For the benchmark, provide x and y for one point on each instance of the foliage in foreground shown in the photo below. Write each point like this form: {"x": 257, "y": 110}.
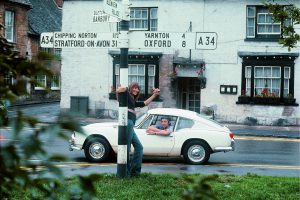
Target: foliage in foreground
{"x": 188, "y": 187}
{"x": 17, "y": 170}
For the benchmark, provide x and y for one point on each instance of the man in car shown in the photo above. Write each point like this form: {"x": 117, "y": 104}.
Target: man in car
{"x": 164, "y": 128}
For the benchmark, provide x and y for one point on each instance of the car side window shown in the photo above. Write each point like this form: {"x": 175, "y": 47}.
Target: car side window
{"x": 157, "y": 118}
{"x": 146, "y": 123}
{"x": 184, "y": 123}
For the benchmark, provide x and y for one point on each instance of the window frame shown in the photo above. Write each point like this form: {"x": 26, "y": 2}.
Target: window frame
{"x": 147, "y": 60}
{"x": 53, "y": 83}
{"x": 265, "y": 61}
{"x": 13, "y": 39}
{"x": 270, "y": 37}
{"x": 149, "y": 20}
{"x": 271, "y": 78}
{"x": 44, "y": 80}
{"x": 183, "y": 118}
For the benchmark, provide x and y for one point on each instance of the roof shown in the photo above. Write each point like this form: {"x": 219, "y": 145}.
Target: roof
{"x": 173, "y": 112}
{"x": 45, "y": 16}
{"x": 23, "y": 2}
{"x": 245, "y": 53}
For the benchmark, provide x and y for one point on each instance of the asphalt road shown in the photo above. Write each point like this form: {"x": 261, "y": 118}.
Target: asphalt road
{"x": 259, "y": 155}
{"x": 263, "y": 156}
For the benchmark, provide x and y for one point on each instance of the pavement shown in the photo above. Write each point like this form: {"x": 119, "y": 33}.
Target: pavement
{"x": 47, "y": 113}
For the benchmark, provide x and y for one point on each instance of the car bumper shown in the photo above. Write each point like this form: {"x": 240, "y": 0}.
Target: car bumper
{"x": 225, "y": 149}
{"x": 72, "y": 145}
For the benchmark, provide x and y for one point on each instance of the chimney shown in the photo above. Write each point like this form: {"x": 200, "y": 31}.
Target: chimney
{"x": 59, "y": 3}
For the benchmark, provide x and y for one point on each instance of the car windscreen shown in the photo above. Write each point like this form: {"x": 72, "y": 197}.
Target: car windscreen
{"x": 140, "y": 119}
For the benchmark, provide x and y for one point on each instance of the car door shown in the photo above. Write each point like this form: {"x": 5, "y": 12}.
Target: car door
{"x": 154, "y": 144}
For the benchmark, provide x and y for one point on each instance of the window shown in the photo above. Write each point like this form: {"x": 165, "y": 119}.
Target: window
{"x": 9, "y": 25}
{"x": 41, "y": 79}
{"x": 142, "y": 69}
{"x": 153, "y": 19}
{"x": 140, "y": 119}
{"x": 184, "y": 123}
{"x": 248, "y": 80}
{"x": 151, "y": 78}
{"x": 287, "y": 75}
{"x": 55, "y": 82}
{"x": 146, "y": 123}
{"x": 143, "y": 19}
{"x": 57, "y": 53}
{"x": 9, "y": 79}
{"x": 137, "y": 73}
{"x": 260, "y": 24}
{"x": 267, "y": 80}
{"x": 157, "y": 118}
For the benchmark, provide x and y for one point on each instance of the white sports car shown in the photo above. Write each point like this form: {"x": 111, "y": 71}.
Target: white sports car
{"x": 194, "y": 137}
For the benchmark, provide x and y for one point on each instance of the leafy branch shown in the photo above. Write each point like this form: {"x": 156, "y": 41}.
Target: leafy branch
{"x": 18, "y": 173}
{"x": 282, "y": 14}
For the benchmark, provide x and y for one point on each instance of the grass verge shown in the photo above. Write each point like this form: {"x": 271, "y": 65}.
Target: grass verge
{"x": 169, "y": 186}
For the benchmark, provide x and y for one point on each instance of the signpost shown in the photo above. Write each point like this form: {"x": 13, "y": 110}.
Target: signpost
{"x": 125, "y": 40}
{"x": 79, "y": 40}
{"x": 99, "y": 16}
{"x": 137, "y": 40}
{"x": 171, "y": 40}
{"x": 113, "y": 8}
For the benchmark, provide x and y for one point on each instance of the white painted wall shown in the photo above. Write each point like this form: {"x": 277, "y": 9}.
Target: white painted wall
{"x": 88, "y": 72}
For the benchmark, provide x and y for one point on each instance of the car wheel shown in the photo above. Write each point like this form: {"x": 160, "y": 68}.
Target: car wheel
{"x": 96, "y": 150}
{"x": 196, "y": 152}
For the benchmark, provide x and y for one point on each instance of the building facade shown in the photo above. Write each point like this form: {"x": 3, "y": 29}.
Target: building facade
{"x": 24, "y": 21}
{"x": 248, "y": 78}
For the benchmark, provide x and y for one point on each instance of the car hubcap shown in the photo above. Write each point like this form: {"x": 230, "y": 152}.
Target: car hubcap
{"x": 97, "y": 150}
{"x": 196, "y": 153}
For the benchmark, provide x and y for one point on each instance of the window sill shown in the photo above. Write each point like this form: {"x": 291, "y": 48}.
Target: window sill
{"x": 39, "y": 88}
{"x": 113, "y": 96}
{"x": 267, "y": 101}
{"x": 261, "y": 39}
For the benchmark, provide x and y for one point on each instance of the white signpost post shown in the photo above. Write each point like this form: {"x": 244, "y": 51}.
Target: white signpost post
{"x": 125, "y": 40}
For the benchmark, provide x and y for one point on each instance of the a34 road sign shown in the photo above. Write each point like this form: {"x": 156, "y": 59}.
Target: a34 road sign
{"x": 137, "y": 40}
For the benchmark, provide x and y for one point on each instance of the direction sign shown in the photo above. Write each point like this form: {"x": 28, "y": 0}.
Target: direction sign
{"x": 206, "y": 40}
{"x": 114, "y": 8}
{"x": 171, "y": 40}
{"x": 137, "y": 40}
{"x": 101, "y": 17}
{"x": 79, "y": 40}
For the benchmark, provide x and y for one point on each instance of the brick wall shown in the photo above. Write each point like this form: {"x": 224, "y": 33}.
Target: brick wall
{"x": 21, "y": 24}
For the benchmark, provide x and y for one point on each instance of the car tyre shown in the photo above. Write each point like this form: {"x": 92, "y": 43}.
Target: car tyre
{"x": 97, "y": 150}
{"x": 196, "y": 152}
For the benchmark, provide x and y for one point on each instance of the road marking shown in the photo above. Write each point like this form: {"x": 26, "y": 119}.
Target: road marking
{"x": 259, "y": 166}
{"x": 156, "y": 164}
{"x": 266, "y": 138}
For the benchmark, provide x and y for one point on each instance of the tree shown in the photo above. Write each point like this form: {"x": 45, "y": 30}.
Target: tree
{"x": 283, "y": 15}
{"x": 17, "y": 172}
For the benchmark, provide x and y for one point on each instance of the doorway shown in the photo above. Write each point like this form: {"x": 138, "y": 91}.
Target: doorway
{"x": 189, "y": 94}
